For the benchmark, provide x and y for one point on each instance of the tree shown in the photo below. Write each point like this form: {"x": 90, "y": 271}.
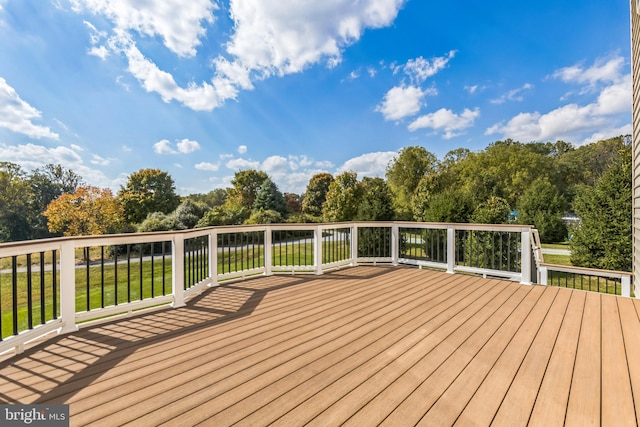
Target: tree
{"x": 213, "y": 198}
{"x": 245, "y": 187}
{"x": 188, "y": 214}
{"x": 494, "y": 210}
{"x": 148, "y": 191}
{"x": 157, "y": 221}
{"x": 543, "y": 206}
{"x": 375, "y": 201}
{"x": 47, "y": 184}
{"x": 604, "y": 237}
{"x": 269, "y": 198}
{"x": 228, "y": 214}
{"x": 316, "y": 194}
{"x": 15, "y": 203}
{"x": 88, "y": 211}
{"x": 293, "y": 204}
{"x": 265, "y": 216}
{"x": 404, "y": 173}
{"x": 343, "y": 198}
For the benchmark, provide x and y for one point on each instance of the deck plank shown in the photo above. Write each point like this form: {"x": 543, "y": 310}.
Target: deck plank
{"x": 360, "y": 346}
{"x": 617, "y": 399}
{"x": 551, "y": 404}
{"x": 494, "y": 360}
{"x": 584, "y": 407}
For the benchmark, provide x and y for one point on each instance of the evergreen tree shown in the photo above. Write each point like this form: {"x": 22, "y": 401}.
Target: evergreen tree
{"x": 604, "y": 237}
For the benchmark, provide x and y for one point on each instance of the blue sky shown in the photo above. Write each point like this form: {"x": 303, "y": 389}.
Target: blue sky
{"x": 204, "y": 88}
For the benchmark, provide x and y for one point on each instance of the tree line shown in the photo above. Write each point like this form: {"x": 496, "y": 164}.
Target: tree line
{"x": 507, "y": 182}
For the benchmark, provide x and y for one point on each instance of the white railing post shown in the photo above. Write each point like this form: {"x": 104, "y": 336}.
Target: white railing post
{"x": 626, "y": 286}
{"x": 354, "y": 244}
{"x": 268, "y": 252}
{"x": 544, "y": 275}
{"x": 395, "y": 244}
{"x": 451, "y": 249}
{"x": 177, "y": 262}
{"x": 317, "y": 249}
{"x": 213, "y": 258}
{"x": 68, "y": 287}
{"x": 525, "y": 259}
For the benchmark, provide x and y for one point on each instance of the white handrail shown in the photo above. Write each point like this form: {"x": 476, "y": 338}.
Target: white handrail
{"x": 66, "y": 247}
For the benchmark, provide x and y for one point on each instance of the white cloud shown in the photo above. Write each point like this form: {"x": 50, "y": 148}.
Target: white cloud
{"x": 206, "y": 166}
{"x": 184, "y": 146}
{"x": 163, "y": 147}
{"x": 187, "y": 146}
{"x": 286, "y": 36}
{"x": 275, "y": 165}
{"x": 570, "y": 121}
{"x": 17, "y": 115}
{"x": 179, "y": 23}
{"x": 32, "y": 156}
{"x": 126, "y": 149}
{"x": 242, "y": 149}
{"x": 512, "y": 95}
{"x": 369, "y": 164}
{"x": 602, "y": 71}
{"x": 420, "y": 69}
{"x": 270, "y": 37}
{"x": 400, "y": 102}
{"x": 242, "y": 164}
{"x": 203, "y": 97}
{"x": 99, "y": 161}
{"x": 607, "y": 133}
{"x": 446, "y": 120}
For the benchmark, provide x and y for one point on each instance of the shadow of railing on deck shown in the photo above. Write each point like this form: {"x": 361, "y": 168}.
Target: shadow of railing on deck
{"x": 103, "y": 346}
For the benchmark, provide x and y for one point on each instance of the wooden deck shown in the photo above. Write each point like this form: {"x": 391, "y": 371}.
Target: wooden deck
{"x": 361, "y": 346}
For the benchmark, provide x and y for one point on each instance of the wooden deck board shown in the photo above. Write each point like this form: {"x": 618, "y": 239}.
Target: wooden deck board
{"x": 360, "y": 346}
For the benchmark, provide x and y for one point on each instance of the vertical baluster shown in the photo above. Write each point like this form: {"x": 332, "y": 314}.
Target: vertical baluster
{"x": 29, "y": 293}
{"x": 115, "y": 275}
{"x": 14, "y": 293}
{"x": 102, "y": 276}
{"x": 54, "y": 275}
{"x": 85, "y": 251}
{"x": 42, "y": 298}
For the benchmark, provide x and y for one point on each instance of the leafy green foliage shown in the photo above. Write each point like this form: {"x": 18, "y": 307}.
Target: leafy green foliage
{"x": 229, "y": 214}
{"x": 148, "y": 191}
{"x": 376, "y": 201}
{"x": 316, "y": 194}
{"x": 543, "y": 206}
{"x": 157, "y": 221}
{"x": 188, "y": 214}
{"x": 245, "y": 187}
{"x": 343, "y": 198}
{"x": 494, "y": 210}
{"x": 269, "y": 198}
{"x": 15, "y": 203}
{"x": 604, "y": 237}
{"x": 262, "y": 216}
{"x": 404, "y": 174}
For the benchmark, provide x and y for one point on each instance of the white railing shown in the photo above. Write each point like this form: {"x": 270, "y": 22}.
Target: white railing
{"x": 54, "y": 284}
{"x": 588, "y": 279}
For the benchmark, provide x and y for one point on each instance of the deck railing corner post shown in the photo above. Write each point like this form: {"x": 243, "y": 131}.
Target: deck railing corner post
{"x": 317, "y": 249}
{"x": 354, "y": 244}
{"x": 525, "y": 258}
{"x": 67, "y": 287}
{"x": 451, "y": 249}
{"x": 395, "y": 244}
{"x": 626, "y": 286}
{"x": 268, "y": 251}
{"x": 213, "y": 258}
{"x": 177, "y": 270}
{"x": 544, "y": 275}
